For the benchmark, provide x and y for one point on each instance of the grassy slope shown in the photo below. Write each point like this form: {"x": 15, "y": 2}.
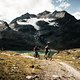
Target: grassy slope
{"x": 15, "y": 67}
{"x": 70, "y": 56}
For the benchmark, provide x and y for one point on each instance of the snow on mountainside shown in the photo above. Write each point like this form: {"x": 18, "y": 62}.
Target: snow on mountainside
{"x": 33, "y": 21}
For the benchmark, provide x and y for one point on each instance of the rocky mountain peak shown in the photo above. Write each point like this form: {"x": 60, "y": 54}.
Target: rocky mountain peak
{"x": 60, "y": 14}
{"x": 43, "y": 14}
{"x": 23, "y": 17}
{"x": 27, "y": 16}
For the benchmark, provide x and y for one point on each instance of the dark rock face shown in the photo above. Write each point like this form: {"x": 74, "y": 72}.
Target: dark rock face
{"x": 15, "y": 40}
{"x": 58, "y": 29}
{"x": 4, "y": 26}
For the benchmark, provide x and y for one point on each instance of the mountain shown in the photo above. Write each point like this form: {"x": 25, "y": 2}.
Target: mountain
{"x": 15, "y": 40}
{"x": 59, "y": 29}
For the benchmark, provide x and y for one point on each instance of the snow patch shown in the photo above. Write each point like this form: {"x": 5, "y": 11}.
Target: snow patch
{"x": 33, "y": 21}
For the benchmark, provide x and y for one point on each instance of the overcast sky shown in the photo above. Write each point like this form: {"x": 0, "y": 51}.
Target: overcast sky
{"x": 10, "y": 9}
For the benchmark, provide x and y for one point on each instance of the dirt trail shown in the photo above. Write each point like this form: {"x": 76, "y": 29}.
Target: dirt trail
{"x": 74, "y": 72}
{"x": 56, "y": 71}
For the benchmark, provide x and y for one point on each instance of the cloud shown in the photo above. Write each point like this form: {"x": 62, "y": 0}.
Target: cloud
{"x": 10, "y": 9}
{"x": 76, "y": 15}
{"x": 62, "y": 4}
{"x": 59, "y": 1}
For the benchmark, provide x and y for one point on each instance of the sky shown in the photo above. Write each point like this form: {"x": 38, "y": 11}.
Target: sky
{"x": 10, "y": 9}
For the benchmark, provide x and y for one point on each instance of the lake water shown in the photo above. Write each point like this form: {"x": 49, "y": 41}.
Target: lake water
{"x": 32, "y": 52}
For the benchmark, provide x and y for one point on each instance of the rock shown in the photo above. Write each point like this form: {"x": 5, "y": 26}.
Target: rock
{"x": 32, "y": 66}
{"x": 2, "y": 59}
{"x": 28, "y": 77}
{"x": 56, "y": 77}
{"x": 35, "y": 77}
{"x": 77, "y": 57}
